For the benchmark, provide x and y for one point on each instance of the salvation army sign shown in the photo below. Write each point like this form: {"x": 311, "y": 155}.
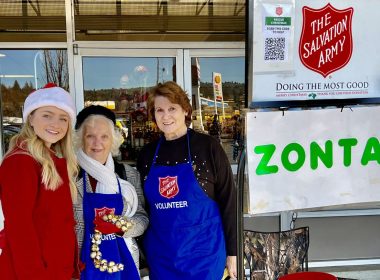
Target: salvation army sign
{"x": 314, "y": 50}
{"x": 168, "y": 186}
{"x": 326, "y": 39}
{"x": 314, "y": 158}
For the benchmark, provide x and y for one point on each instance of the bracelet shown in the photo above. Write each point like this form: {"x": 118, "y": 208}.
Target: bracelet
{"x": 119, "y": 221}
{"x": 102, "y": 264}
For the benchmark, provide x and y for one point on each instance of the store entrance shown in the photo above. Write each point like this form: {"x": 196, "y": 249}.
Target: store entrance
{"x": 121, "y": 80}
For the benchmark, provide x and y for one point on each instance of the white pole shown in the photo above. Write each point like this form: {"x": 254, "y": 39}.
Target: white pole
{"x": 1, "y": 134}
{"x": 35, "y": 69}
{"x": 224, "y": 117}
{"x": 200, "y": 108}
{"x": 213, "y": 88}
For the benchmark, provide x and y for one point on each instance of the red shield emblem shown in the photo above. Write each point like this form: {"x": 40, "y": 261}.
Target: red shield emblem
{"x": 168, "y": 186}
{"x": 100, "y": 212}
{"x": 326, "y": 39}
{"x": 279, "y": 11}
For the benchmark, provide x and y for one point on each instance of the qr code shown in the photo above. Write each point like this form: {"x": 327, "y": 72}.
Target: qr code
{"x": 274, "y": 48}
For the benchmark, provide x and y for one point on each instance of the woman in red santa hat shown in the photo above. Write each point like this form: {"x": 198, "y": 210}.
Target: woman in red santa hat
{"x": 37, "y": 186}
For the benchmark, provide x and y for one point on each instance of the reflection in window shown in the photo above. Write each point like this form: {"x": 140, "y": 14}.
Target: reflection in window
{"x": 218, "y": 95}
{"x": 21, "y": 72}
{"x": 122, "y": 84}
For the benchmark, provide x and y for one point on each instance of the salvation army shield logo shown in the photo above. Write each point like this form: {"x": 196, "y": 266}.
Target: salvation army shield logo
{"x": 168, "y": 186}
{"x": 326, "y": 39}
{"x": 279, "y": 11}
{"x": 100, "y": 212}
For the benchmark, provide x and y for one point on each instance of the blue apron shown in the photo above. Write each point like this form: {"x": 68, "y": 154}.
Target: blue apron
{"x": 185, "y": 238}
{"x": 113, "y": 247}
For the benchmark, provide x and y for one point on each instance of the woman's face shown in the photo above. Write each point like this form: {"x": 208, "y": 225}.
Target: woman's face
{"x": 170, "y": 118}
{"x": 50, "y": 124}
{"x": 97, "y": 140}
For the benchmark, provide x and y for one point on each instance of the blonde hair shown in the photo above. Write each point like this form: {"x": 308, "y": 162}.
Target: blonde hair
{"x": 28, "y": 141}
{"x": 117, "y": 138}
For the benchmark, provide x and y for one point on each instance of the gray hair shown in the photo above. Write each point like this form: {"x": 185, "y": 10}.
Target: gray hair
{"x": 117, "y": 138}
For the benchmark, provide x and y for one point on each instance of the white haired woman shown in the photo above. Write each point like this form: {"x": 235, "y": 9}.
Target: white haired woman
{"x": 109, "y": 210}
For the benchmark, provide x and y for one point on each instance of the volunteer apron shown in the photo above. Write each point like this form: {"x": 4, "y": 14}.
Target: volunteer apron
{"x": 113, "y": 247}
{"x": 185, "y": 238}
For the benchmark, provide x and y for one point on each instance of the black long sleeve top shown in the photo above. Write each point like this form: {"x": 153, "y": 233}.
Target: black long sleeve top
{"x": 211, "y": 168}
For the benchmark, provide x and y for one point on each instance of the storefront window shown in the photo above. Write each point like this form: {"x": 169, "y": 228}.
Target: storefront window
{"x": 218, "y": 95}
{"x": 122, "y": 85}
{"x": 21, "y": 72}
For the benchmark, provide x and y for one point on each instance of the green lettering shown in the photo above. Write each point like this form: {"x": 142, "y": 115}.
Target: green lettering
{"x": 285, "y": 157}
{"x": 263, "y": 168}
{"x": 372, "y": 145}
{"x": 325, "y": 156}
{"x": 347, "y": 145}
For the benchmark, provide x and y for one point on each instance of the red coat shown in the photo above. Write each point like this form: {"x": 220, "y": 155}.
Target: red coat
{"x": 40, "y": 241}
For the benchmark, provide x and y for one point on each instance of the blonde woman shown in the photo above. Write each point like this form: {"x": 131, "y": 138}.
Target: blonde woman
{"x": 37, "y": 186}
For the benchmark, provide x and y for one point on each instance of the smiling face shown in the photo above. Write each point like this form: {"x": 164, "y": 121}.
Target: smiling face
{"x": 97, "y": 139}
{"x": 170, "y": 118}
{"x": 50, "y": 124}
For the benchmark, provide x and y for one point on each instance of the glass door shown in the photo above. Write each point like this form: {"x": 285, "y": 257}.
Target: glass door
{"x": 215, "y": 80}
{"x": 21, "y": 72}
{"x": 120, "y": 80}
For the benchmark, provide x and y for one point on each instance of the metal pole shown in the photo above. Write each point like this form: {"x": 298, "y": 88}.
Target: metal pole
{"x": 240, "y": 217}
{"x": 1, "y": 119}
{"x": 1, "y": 113}
{"x": 35, "y": 69}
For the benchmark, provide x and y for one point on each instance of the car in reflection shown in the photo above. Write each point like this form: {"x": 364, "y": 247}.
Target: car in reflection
{"x": 8, "y": 132}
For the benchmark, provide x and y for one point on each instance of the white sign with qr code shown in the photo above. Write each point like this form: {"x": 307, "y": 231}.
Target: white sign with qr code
{"x": 276, "y": 21}
{"x": 274, "y": 35}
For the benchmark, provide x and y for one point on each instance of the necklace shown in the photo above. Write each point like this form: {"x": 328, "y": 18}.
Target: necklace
{"x": 102, "y": 264}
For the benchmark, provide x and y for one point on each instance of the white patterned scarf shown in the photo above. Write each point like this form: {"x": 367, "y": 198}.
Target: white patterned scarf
{"x": 107, "y": 181}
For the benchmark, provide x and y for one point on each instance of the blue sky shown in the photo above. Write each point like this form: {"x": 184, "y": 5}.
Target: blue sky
{"x": 118, "y": 72}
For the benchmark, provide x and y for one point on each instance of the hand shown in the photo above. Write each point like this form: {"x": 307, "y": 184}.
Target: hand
{"x": 106, "y": 227}
{"x": 232, "y": 267}
{"x": 81, "y": 265}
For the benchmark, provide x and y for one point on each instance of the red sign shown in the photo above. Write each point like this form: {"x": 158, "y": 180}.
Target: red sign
{"x": 279, "y": 11}
{"x": 100, "y": 212}
{"x": 168, "y": 186}
{"x": 326, "y": 39}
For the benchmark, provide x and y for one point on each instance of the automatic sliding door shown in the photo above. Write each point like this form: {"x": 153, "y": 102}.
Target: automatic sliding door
{"x": 122, "y": 83}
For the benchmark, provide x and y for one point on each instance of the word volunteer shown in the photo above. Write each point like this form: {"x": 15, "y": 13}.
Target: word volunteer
{"x": 171, "y": 205}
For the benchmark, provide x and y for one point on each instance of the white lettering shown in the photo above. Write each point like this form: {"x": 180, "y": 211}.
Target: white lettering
{"x": 170, "y": 205}
{"x": 110, "y": 236}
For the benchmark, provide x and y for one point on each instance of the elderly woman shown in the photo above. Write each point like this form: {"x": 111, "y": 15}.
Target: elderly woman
{"x": 109, "y": 209}
{"x": 191, "y": 195}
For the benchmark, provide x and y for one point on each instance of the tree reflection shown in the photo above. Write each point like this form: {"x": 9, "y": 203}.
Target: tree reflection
{"x": 52, "y": 68}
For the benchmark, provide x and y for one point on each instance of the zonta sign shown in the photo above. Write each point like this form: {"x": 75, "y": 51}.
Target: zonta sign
{"x": 371, "y": 152}
{"x": 326, "y": 39}
{"x": 312, "y": 158}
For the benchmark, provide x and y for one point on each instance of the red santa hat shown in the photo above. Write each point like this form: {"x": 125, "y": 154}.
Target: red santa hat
{"x": 49, "y": 95}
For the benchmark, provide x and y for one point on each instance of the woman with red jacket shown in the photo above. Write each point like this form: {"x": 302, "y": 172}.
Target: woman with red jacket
{"x": 37, "y": 186}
